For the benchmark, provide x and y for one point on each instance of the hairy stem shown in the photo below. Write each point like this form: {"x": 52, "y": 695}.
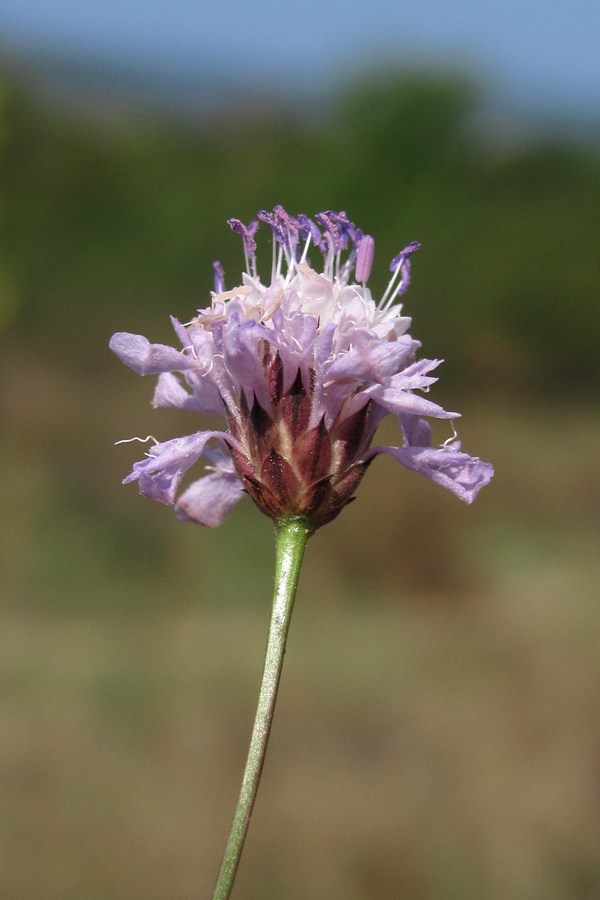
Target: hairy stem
{"x": 292, "y": 535}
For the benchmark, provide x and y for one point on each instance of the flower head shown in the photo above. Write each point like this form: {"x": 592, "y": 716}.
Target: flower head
{"x": 303, "y": 370}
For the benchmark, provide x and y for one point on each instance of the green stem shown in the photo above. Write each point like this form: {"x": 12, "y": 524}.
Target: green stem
{"x": 292, "y": 535}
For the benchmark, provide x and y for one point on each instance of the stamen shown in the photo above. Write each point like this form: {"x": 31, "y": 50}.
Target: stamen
{"x": 219, "y": 277}
{"x": 247, "y": 234}
{"x": 278, "y": 221}
{"x": 400, "y": 266}
{"x": 307, "y": 228}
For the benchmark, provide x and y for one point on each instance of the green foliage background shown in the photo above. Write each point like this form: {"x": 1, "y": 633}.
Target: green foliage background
{"x": 437, "y": 734}
{"x": 99, "y": 217}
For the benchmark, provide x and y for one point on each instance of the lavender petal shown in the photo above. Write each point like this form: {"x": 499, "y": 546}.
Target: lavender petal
{"x": 159, "y": 474}
{"x": 208, "y": 500}
{"x": 370, "y": 360}
{"x": 452, "y": 469}
{"x": 169, "y": 392}
{"x": 145, "y": 358}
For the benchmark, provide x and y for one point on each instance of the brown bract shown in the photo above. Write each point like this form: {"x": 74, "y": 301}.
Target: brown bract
{"x": 289, "y": 468}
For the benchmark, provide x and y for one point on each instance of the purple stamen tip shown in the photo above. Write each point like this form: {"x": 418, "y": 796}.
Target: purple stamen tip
{"x": 246, "y": 233}
{"x": 364, "y": 258}
{"x": 280, "y": 223}
{"x": 219, "y": 277}
{"x": 402, "y": 263}
{"x": 307, "y": 227}
{"x": 403, "y": 256}
{"x": 338, "y": 229}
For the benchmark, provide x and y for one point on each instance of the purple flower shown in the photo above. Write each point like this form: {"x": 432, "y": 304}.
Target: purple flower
{"x": 302, "y": 370}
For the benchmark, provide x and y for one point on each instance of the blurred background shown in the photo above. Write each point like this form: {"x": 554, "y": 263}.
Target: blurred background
{"x": 437, "y": 733}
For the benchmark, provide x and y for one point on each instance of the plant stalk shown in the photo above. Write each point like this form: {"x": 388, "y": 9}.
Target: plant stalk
{"x": 292, "y": 535}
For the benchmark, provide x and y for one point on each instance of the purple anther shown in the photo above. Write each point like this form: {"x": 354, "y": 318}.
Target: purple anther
{"x": 356, "y": 235}
{"x": 402, "y": 262}
{"x": 337, "y": 226}
{"x": 246, "y": 232}
{"x": 364, "y": 258}
{"x": 280, "y": 224}
{"x": 306, "y": 227}
{"x": 403, "y": 255}
{"x": 348, "y": 230}
{"x": 219, "y": 277}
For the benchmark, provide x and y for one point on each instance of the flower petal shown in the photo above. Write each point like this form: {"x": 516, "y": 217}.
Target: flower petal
{"x": 371, "y": 360}
{"x": 145, "y": 358}
{"x": 241, "y": 345}
{"x": 458, "y": 472}
{"x": 398, "y": 401}
{"x": 160, "y": 474}
{"x": 170, "y": 392}
{"x": 208, "y": 500}
{"x": 396, "y": 395}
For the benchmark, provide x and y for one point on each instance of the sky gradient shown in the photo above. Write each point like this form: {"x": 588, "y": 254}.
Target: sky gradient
{"x": 537, "y": 52}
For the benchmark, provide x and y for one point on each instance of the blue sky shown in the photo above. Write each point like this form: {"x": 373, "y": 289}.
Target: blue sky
{"x": 539, "y": 52}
